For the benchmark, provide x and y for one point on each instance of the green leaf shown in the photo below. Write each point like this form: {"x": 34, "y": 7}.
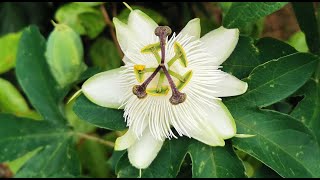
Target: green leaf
{"x": 19, "y": 136}
{"x": 88, "y": 73}
{"x": 11, "y": 101}
{"x": 104, "y": 54}
{"x": 250, "y": 53}
{"x": 242, "y": 13}
{"x": 223, "y": 162}
{"x": 84, "y": 19}
{"x": 8, "y": 46}
{"x": 124, "y": 169}
{"x": 93, "y": 158}
{"x": 276, "y": 79}
{"x": 77, "y": 124}
{"x": 281, "y": 142}
{"x": 306, "y": 17}
{"x": 207, "y": 25}
{"x": 218, "y": 162}
{"x": 34, "y": 76}
{"x": 265, "y": 172}
{"x": 225, "y": 6}
{"x": 307, "y": 111}
{"x": 16, "y": 164}
{"x": 298, "y": 41}
{"x": 114, "y": 159}
{"x": 157, "y": 17}
{"x": 253, "y": 29}
{"x": 55, "y": 159}
{"x": 100, "y": 116}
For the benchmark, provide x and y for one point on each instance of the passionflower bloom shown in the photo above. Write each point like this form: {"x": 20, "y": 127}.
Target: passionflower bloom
{"x": 168, "y": 87}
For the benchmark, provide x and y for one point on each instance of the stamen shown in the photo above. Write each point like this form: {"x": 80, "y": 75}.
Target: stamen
{"x": 177, "y": 97}
{"x": 140, "y": 90}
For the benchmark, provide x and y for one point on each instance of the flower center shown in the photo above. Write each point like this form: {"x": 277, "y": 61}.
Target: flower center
{"x": 141, "y": 91}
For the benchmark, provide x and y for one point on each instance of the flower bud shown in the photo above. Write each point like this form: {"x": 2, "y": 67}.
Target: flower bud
{"x": 64, "y": 55}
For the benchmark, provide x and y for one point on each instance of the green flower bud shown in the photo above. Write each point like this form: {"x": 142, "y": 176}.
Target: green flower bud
{"x": 64, "y": 55}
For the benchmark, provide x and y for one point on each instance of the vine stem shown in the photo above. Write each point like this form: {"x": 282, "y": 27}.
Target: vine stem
{"x": 110, "y": 25}
{"x": 93, "y": 138}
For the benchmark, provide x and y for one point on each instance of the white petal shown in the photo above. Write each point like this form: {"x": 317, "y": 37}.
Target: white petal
{"x": 209, "y": 122}
{"x": 142, "y": 26}
{"x": 125, "y": 141}
{"x": 195, "y": 119}
{"x": 124, "y": 35}
{"x": 221, "y": 121}
{"x": 208, "y": 137}
{"x": 229, "y": 85}
{"x": 220, "y": 43}
{"x": 104, "y": 89}
{"x": 126, "y": 60}
{"x": 193, "y": 28}
{"x": 144, "y": 151}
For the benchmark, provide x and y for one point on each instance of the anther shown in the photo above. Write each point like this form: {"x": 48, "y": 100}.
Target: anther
{"x": 139, "y": 91}
{"x": 177, "y": 98}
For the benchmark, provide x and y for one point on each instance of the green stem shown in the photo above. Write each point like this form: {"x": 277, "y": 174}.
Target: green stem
{"x": 96, "y": 139}
{"x": 111, "y": 28}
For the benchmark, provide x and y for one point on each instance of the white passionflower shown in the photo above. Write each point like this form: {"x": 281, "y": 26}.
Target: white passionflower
{"x": 168, "y": 83}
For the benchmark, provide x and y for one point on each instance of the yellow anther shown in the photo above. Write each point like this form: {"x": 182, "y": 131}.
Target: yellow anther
{"x": 139, "y": 67}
